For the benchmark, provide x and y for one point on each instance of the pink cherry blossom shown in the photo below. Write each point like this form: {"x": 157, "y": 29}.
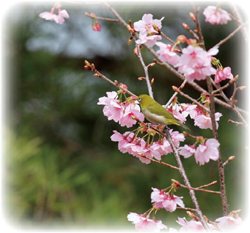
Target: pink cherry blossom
{"x": 58, "y": 18}
{"x": 146, "y": 24}
{"x": 176, "y": 137}
{"x": 112, "y": 109}
{"x": 130, "y": 110}
{"x": 192, "y": 225}
{"x": 223, "y": 74}
{"x": 144, "y": 223}
{"x": 148, "y": 40}
{"x": 96, "y": 26}
{"x": 186, "y": 151}
{"x": 190, "y": 109}
{"x": 147, "y": 33}
{"x": 227, "y": 223}
{"x": 204, "y": 121}
{"x": 216, "y": 15}
{"x": 195, "y": 62}
{"x": 207, "y": 151}
{"x": 162, "y": 199}
{"x": 166, "y": 54}
{"x": 163, "y": 147}
{"x": 118, "y": 111}
{"x": 128, "y": 143}
{"x": 178, "y": 112}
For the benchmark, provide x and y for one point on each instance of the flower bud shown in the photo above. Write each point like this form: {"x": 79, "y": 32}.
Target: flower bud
{"x": 130, "y": 40}
{"x": 87, "y": 67}
{"x": 185, "y": 26}
{"x": 151, "y": 64}
{"x": 190, "y": 214}
{"x": 136, "y": 52}
{"x": 87, "y": 63}
{"x": 129, "y": 28}
{"x": 192, "y": 16}
{"x": 152, "y": 81}
{"x": 175, "y": 88}
{"x": 156, "y": 28}
{"x": 92, "y": 66}
{"x": 96, "y": 75}
{"x": 192, "y": 42}
{"x": 92, "y": 15}
{"x": 181, "y": 39}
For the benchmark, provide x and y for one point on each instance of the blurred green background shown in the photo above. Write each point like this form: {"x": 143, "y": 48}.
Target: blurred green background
{"x": 61, "y": 168}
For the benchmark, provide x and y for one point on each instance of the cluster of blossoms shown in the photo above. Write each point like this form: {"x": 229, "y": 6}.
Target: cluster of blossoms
{"x": 118, "y": 111}
{"x": 126, "y": 113}
{"x": 144, "y": 223}
{"x": 129, "y": 143}
{"x": 203, "y": 153}
{"x": 194, "y": 61}
{"x": 58, "y": 18}
{"x": 216, "y": 15}
{"x": 223, "y": 74}
{"x": 148, "y": 30}
{"x": 164, "y": 200}
{"x": 201, "y": 118}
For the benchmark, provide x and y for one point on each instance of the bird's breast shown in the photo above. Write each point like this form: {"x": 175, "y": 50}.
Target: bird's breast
{"x": 154, "y": 118}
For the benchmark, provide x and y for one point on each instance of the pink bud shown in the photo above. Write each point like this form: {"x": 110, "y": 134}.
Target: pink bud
{"x": 185, "y": 26}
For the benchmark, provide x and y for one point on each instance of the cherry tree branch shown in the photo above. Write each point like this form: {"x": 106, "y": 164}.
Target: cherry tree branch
{"x": 240, "y": 20}
{"x": 213, "y": 121}
{"x": 160, "y": 162}
{"x": 231, "y": 35}
{"x": 145, "y": 71}
{"x": 176, "y": 93}
{"x": 186, "y": 180}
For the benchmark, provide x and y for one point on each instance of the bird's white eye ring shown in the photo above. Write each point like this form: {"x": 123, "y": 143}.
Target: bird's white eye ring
{"x": 139, "y": 99}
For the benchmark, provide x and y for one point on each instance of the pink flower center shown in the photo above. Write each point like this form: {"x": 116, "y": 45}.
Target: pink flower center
{"x": 148, "y": 26}
{"x": 193, "y": 54}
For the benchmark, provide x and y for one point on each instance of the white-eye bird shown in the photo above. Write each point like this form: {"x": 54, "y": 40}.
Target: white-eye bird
{"x": 156, "y": 113}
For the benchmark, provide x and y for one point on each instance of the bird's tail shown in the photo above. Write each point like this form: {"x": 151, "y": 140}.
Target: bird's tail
{"x": 184, "y": 126}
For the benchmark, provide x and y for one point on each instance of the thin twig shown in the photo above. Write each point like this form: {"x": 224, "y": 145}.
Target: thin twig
{"x": 176, "y": 93}
{"x": 201, "y": 190}
{"x": 240, "y": 20}
{"x": 190, "y": 31}
{"x": 236, "y": 122}
{"x": 186, "y": 181}
{"x": 228, "y": 160}
{"x": 191, "y": 99}
{"x": 230, "y": 35}
{"x": 207, "y": 185}
{"x": 166, "y": 37}
{"x": 186, "y": 208}
{"x": 219, "y": 88}
{"x": 115, "y": 83}
{"x": 145, "y": 71}
{"x": 160, "y": 162}
{"x": 101, "y": 18}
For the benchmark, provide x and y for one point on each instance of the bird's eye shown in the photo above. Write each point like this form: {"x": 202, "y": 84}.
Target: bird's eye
{"x": 139, "y": 99}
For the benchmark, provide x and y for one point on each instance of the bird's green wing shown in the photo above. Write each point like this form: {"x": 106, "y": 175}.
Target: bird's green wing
{"x": 157, "y": 109}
